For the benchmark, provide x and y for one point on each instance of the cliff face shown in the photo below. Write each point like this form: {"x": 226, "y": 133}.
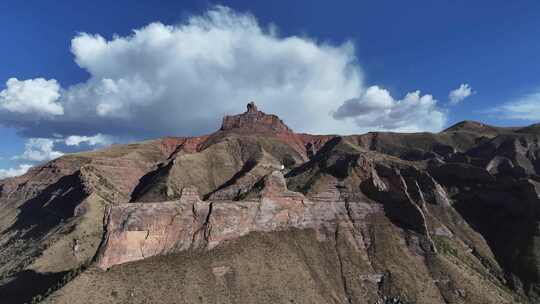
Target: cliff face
{"x": 140, "y": 230}
{"x": 254, "y": 121}
{"x": 255, "y": 213}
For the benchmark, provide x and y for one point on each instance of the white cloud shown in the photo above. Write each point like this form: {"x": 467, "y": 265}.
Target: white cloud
{"x": 184, "y": 78}
{"x": 43, "y": 149}
{"x": 181, "y": 79}
{"x": 96, "y": 140}
{"x": 39, "y": 149}
{"x": 12, "y": 172}
{"x": 377, "y": 109}
{"x": 32, "y": 96}
{"x": 526, "y": 108}
{"x": 458, "y": 95}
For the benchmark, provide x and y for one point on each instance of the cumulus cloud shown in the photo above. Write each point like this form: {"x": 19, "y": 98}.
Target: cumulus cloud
{"x": 377, "y": 109}
{"x": 12, "y": 172}
{"x": 39, "y": 149}
{"x": 458, "y": 95}
{"x": 526, "y": 108}
{"x": 96, "y": 140}
{"x": 44, "y": 149}
{"x": 32, "y": 96}
{"x": 181, "y": 79}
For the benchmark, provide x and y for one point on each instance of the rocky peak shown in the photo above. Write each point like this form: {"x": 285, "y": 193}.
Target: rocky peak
{"x": 251, "y": 107}
{"x": 254, "y": 121}
{"x": 475, "y": 127}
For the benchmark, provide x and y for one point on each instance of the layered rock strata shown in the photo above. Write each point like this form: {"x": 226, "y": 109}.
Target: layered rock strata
{"x": 140, "y": 230}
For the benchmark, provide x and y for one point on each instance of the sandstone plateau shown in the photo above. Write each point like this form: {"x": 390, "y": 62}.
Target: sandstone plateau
{"x": 256, "y": 213}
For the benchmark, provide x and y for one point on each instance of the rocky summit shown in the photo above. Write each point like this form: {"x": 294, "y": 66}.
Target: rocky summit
{"x": 256, "y": 213}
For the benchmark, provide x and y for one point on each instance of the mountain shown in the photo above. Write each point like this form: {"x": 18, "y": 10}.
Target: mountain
{"x": 535, "y": 128}
{"x": 478, "y": 127}
{"x": 256, "y": 213}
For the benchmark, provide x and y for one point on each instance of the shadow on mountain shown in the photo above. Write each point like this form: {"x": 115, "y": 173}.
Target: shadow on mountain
{"x": 333, "y": 158}
{"x": 508, "y": 219}
{"x": 28, "y": 284}
{"x": 153, "y": 185}
{"x": 53, "y": 205}
{"x": 397, "y": 208}
{"x": 248, "y": 166}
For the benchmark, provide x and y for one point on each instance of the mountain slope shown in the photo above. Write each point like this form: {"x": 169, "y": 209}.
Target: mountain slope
{"x": 257, "y": 213}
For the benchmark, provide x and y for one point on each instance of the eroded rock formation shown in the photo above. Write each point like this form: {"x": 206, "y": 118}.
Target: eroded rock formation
{"x": 254, "y": 121}
{"x": 139, "y": 230}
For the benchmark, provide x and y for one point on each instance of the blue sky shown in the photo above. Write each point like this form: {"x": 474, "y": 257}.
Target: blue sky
{"x": 343, "y": 65}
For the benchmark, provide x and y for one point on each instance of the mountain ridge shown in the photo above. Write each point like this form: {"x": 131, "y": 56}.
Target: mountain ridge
{"x": 382, "y": 218}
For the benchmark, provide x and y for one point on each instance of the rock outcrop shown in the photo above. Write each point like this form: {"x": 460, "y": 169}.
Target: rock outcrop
{"x": 254, "y": 121}
{"x": 139, "y": 230}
